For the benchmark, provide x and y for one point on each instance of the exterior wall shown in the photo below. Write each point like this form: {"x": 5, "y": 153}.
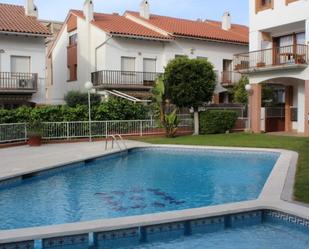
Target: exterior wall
{"x": 34, "y": 47}
{"x": 281, "y": 14}
{"x": 97, "y": 51}
{"x": 282, "y": 19}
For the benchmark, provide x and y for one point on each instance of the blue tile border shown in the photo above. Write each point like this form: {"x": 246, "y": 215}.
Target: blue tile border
{"x": 59, "y": 242}
{"x": 18, "y": 245}
{"x": 131, "y": 237}
{"x": 119, "y": 238}
{"x": 276, "y": 216}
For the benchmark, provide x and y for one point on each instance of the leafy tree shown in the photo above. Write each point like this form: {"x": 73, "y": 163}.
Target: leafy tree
{"x": 240, "y": 93}
{"x": 190, "y": 83}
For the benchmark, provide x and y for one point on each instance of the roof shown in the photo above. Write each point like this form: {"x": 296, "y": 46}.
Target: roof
{"x": 197, "y": 29}
{"x": 14, "y": 19}
{"x": 122, "y": 26}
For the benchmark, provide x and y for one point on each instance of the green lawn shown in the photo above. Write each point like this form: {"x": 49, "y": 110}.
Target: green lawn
{"x": 298, "y": 144}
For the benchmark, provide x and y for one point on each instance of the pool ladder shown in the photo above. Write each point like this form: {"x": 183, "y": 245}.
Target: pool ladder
{"x": 115, "y": 140}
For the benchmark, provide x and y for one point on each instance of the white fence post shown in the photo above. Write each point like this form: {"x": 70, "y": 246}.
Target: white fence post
{"x": 68, "y": 131}
{"x": 141, "y": 128}
{"x": 26, "y": 135}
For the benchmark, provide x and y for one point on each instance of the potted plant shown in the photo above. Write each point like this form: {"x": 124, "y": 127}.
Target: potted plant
{"x": 35, "y": 133}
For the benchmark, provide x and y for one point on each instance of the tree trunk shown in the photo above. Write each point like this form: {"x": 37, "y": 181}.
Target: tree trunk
{"x": 196, "y": 123}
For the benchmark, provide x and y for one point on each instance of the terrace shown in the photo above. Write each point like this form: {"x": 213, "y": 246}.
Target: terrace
{"x": 21, "y": 83}
{"x": 293, "y": 56}
{"x": 110, "y": 79}
{"x": 229, "y": 78}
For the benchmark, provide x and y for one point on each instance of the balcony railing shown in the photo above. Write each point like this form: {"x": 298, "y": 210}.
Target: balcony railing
{"x": 280, "y": 56}
{"x": 18, "y": 82}
{"x": 114, "y": 78}
{"x": 229, "y": 78}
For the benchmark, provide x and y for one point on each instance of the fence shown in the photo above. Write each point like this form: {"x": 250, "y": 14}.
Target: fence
{"x": 99, "y": 129}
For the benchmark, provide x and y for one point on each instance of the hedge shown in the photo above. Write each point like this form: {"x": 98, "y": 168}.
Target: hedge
{"x": 217, "y": 121}
{"x": 114, "y": 109}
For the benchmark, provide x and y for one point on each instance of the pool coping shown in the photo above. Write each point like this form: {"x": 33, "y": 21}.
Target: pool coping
{"x": 276, "y": 195}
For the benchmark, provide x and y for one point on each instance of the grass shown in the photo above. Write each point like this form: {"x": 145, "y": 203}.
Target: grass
{"x": 298, "y": 144}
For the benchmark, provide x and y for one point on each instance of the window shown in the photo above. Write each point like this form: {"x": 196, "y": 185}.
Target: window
{"x": 20, "y": 64}
{"x": 149, "y": 65}
{"x": 301, "y": 38}
{"x": 263, "y": 5}
{"x": 72, "y": 73}
{"x": 127, "y": 64}
{"x": 73, "y": 40}
{"x": 149, "y": 73}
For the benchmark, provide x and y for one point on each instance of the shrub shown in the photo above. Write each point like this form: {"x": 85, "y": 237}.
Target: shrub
{"x": 217, "y": 121}
{"x": 114, "y": 109}
{"x": 75, "y": 98}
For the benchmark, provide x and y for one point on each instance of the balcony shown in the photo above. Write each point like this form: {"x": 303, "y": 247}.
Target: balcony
{"x": 111, "y": 79}
{"x": 229, "y": 78}
{"x": 21, "y": 83}
{"x": 294, "y": 56}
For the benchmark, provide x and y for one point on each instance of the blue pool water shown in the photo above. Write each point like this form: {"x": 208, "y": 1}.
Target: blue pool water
{"x": 141, "y": 182}
{"x": 266, "y": 236}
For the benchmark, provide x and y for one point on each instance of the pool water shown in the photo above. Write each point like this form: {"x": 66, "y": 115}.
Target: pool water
{"x": 266, "y": 236}
{"x": 143, "y": 181}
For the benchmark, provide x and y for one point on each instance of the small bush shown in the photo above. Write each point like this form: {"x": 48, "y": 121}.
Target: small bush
{"x": 75, "y": 98}
{"x": 114, "y": 109}
{"x": 217, "y": 121}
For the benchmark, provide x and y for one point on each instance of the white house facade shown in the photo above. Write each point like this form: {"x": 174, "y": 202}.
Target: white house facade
{"x": 279, "y": 38}
{"x": 22, "y": 56}
{"x": 123, "y": 54}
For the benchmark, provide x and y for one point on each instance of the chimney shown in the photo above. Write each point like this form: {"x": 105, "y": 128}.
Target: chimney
{"x": 226, "y": 21}
{"x": 145, "y": 9}
{"x": 88, "y": 10}
{"x": 31, "y": 9}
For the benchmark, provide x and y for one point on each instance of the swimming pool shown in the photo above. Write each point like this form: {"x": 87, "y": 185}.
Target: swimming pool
{"x": 142, "y": 181}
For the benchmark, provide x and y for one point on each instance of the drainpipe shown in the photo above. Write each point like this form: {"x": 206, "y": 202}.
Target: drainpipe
{"x": 1, "y": 52}
{"x": 98, "y": 47}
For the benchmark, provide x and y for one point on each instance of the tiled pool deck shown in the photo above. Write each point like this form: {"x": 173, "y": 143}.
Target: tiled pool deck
{"x": 276, "y": 195}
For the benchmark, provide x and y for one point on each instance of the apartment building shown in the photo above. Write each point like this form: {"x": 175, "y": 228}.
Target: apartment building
{"x": 123, "y": 54}
{"x": 22, "y": 56}
{"x": 279, "y": 37}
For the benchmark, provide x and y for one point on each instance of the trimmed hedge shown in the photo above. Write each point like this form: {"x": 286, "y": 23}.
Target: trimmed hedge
{"x": 114, "y": 109}
{"x": 75, "y": 98}
{"x": 217, "y": 121}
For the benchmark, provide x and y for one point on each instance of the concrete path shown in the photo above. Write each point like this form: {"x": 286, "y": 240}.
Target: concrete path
{"x": 24, "y": 159}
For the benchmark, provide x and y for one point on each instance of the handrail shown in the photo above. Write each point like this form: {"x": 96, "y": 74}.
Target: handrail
{"x": 114, "y": 139}
{"x": 296, "y": 54}
{"x": 121, "y": 139}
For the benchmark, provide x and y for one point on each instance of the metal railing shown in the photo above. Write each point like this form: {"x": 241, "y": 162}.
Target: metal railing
{"x": 229, "y": 78}
{"x": 115, "y": 77}
{"x": 13, "y": 132}
{"x": 18, "y": 81}
{"x": 99, "y": 129}
{"x": 287, "y": 55}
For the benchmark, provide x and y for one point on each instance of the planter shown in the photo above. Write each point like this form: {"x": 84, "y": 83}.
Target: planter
{"x": 260, "y": 64}
{"x": 35, "y": 141}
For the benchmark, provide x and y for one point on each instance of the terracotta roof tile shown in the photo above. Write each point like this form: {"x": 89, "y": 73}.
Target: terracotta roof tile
{"x": 13, "y": 19}
{"x": 120, "y": 25}
{"x": 198, "y": 29}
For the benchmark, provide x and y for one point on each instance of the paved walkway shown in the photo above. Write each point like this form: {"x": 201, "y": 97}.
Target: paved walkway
{"x": 24, "y": 159}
